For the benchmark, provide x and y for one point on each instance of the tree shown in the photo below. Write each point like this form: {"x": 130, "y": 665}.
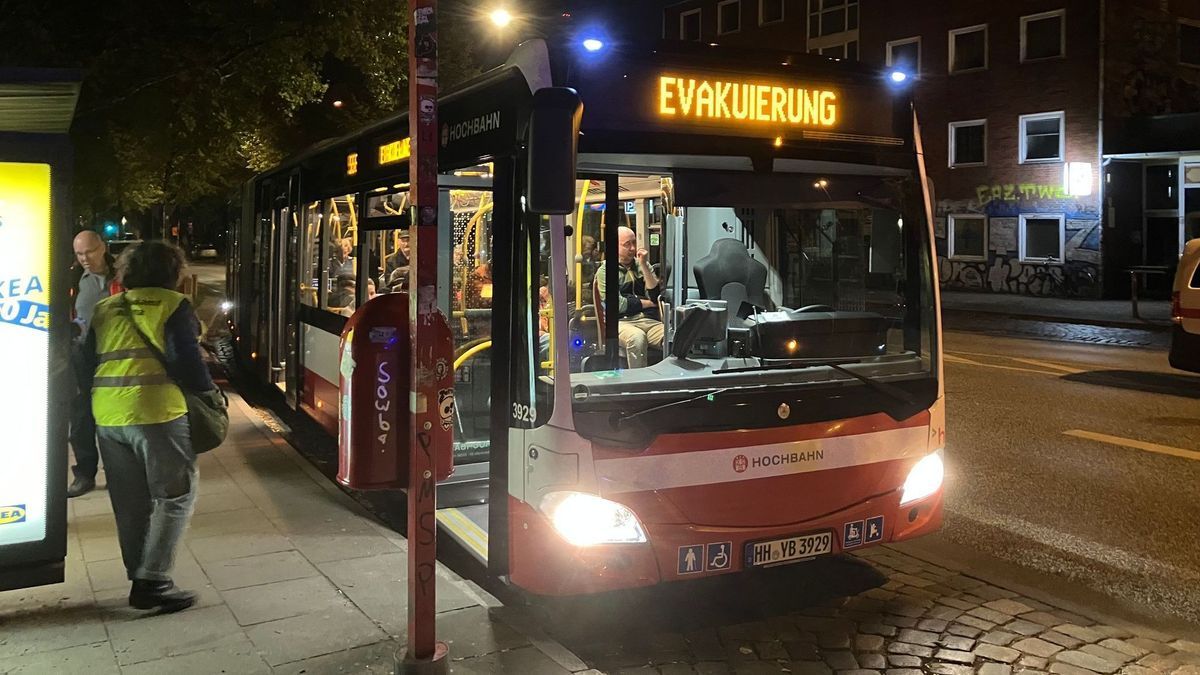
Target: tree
{"x": 186, "y": 99}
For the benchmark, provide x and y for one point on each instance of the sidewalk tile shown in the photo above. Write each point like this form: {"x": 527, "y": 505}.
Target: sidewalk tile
{"x": 377, "y": 657}
{"x": 379, "y": 587}
{"x": 525, "y": 661}
{"x": 238, "y": 657}
{"x": 249, "y": 520}
{"x": 93, "y": 659}
{"x": 49, "y": 628}
{"x": 352, "y": 543}
{"x": 315, "y": 634}
{"x": 237, "y": 545}
{"x": 474, "y": 632}
{"x": 229, "y": 500}
{"x": 95, "y": 549}
{"x": 258, "y": 569}
{"x": 155, "y": 637}
{"x": 283, "y": 599}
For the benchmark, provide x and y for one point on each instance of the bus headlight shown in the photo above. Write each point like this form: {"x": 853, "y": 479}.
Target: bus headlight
{"x": 586, "y": 520}
{"x": 924, "y": 478}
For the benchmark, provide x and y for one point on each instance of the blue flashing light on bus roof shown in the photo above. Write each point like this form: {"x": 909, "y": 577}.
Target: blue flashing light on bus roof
{"x": 593, "y": 44}
{"x": 898, "y": 76}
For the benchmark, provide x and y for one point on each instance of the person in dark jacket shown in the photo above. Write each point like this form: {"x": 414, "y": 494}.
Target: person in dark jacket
{"x": 141, "y": 353}
{"x": 640, "y": 326}
{"x": 96, "y": 281}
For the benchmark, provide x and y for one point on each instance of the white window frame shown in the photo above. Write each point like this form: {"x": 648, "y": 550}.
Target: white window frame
{"x": 816, "y": 44}
{"x": 962, "y": 31}
{"x": 954, "y": 255}
{"x": 1062, "y": 236}
{"x": 782, "y": 13}
{"x": 700, "y": 16}
{"x": 904, "y": 41}
{"x": 1062, "y": 34}
{"x": 1062, "y": 137}
{"x": 720, "y": 23}
{"x": 966, "y": 123}
{"x": 1179, "y": 44}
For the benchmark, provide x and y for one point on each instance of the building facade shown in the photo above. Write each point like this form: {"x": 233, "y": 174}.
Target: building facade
{"x": 1062, "y": 137}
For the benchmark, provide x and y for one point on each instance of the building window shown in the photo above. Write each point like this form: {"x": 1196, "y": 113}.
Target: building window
{"x": 833, "y": 28}
{"x": 1189, "y": 43}
{"x": 1043, "y": 36}
{"x": 905, "y": 55}
{"x": 689, "y": 25}
{"x": 1042, "y": 138}
{"x": 968, "y": 48}
{"x": 729, "y": 16}
{"x": 1162, "y": 187}
{"x": 967, "y": 237}
{"x": 770, "y": 11}
{"x": 968, "y": 143}
{"x": 1042, "y": 238}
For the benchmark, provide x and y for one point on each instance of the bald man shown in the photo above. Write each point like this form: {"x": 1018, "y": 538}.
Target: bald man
{"x": 95, "y": 284}
{"x": 640, "y": 327}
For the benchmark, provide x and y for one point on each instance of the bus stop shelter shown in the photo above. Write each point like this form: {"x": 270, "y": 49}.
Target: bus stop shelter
{"x": 36, "y": 109}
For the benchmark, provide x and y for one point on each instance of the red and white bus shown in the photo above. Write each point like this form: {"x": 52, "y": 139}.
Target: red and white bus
{"x": 795, "y": 408}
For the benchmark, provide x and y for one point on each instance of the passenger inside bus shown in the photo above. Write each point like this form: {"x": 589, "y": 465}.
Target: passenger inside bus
{"x": 341, "y": 262}
{"x": 640, "y": 326}
{"x": 342, "y": 296}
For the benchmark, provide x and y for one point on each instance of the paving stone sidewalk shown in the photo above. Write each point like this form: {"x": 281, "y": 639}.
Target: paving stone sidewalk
{"x": 293, "y": 577}
{"x": 922, "y": 619}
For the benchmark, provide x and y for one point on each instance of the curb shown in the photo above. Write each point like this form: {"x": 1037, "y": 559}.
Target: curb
{"x": 1154, "y": 327}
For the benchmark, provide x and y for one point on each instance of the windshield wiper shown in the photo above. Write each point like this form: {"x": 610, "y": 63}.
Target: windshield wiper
{"x": 891, "y": 391}
{"x": 622, "y": 417}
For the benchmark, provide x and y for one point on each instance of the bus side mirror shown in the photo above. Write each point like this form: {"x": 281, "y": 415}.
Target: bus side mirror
{"x": 553, "y": 143}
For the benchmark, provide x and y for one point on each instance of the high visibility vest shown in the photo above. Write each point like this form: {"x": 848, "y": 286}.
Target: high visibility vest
{"x": 131, "y": 386}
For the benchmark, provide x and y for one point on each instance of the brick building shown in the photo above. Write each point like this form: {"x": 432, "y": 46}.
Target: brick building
{"x": 1062, "y": 137}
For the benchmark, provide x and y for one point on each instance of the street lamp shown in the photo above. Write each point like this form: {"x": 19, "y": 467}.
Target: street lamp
{"x": 500, "y": 18}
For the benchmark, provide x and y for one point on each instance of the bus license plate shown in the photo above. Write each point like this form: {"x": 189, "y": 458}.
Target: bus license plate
{"x": 791, "y": 549}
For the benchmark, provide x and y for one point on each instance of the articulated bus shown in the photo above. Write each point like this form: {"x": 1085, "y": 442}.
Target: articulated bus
{"x": 794, "y": 407}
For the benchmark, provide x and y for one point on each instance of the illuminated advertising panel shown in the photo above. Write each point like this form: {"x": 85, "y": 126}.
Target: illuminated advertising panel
{"x": 24, "y": 343}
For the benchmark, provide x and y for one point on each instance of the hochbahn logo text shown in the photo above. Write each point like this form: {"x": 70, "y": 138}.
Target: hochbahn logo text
{"x": 741, "y": 463}
{"x": 474, "y": 126}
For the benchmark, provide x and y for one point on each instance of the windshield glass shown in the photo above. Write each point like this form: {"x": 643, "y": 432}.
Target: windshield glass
{"x": 742, "y": 282}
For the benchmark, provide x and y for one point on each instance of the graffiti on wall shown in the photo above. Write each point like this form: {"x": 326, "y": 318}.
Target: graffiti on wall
{"x": 1002, "y": 270}
{"x": 1012, "y": 192}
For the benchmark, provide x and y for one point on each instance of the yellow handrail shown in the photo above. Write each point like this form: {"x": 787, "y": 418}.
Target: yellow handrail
{"x": 471, "y": 352}
{"x": 579, "y": 245}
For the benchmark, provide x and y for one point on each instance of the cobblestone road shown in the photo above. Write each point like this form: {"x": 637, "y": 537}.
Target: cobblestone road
{"x": 908, "y": 617}
{"x": 1052, "y": 330}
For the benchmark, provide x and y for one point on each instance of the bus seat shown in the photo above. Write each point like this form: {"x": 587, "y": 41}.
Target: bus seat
{"x": 729, "y": 273}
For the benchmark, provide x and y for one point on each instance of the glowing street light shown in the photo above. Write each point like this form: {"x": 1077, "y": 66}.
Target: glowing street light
{"x": 500, "y": 18}
{"x": 338, "y": 103}
{"x": 593, "y": 45}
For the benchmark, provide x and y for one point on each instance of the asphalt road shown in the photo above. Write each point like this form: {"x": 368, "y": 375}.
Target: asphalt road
{"x": 1077, "y": 462}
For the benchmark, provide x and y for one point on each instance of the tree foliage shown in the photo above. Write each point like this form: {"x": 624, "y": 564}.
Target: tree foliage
{"x": 185, "y": 99}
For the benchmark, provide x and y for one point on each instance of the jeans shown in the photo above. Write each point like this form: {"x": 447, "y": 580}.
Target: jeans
{"x": 83, "y": 426}
{"x": 152, "y": 482}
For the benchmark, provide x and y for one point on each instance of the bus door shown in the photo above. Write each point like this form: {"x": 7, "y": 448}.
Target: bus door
{"x": 283, "y": 243}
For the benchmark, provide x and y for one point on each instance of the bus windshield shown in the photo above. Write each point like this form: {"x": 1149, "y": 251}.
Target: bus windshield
{"x": 791, "y": 286}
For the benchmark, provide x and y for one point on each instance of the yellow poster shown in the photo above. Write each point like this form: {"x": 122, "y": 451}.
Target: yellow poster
{"x": 24, "y": 348}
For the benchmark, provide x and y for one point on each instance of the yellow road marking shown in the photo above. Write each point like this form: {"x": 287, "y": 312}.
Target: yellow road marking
{"x": 465, "y": 528}
{"x": 968, "y": 362}
{"x": 1048, "y": 364}
{"x": 1135, "y": 444}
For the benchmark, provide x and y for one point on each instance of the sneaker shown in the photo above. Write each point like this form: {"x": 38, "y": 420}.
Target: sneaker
{"x": 161, "y": 595}
{"x": 81, "y": 486}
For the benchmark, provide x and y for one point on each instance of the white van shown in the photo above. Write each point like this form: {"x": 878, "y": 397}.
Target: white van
{"x": 1185, "y": 310}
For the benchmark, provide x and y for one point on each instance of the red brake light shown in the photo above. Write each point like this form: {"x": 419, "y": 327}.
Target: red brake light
{"x": 1176, "y": 308}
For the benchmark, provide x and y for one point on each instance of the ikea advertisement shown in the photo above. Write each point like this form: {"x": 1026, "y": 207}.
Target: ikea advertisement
{"x": 25, "y": 233}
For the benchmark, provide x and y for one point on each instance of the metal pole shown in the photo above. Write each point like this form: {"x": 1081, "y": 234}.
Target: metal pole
{"x": 423, "y": 653}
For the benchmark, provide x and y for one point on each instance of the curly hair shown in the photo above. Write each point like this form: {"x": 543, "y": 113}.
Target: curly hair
{"x": 152, "y": 263}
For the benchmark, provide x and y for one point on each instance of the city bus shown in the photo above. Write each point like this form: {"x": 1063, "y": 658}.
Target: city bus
{"x": 794, "y": 405}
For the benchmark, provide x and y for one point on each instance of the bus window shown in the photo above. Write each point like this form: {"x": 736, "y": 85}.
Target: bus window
{"x": 388, "y": 252}
{"x": 470, "y": 274}
{"x": 309, "y": 275}
{"x": 340, "y": 236}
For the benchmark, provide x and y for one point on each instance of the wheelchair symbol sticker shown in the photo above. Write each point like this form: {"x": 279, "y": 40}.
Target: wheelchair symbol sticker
{"x": 716, "y": 556}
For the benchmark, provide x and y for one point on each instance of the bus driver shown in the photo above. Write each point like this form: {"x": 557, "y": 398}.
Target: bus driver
{"x": 640, "y": 326}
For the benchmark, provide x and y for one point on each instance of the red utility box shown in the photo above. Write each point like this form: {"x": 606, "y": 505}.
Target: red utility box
{"x": 374, "y": 412}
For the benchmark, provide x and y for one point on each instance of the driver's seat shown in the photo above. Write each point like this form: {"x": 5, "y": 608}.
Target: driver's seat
{"x": 729, "y": 273}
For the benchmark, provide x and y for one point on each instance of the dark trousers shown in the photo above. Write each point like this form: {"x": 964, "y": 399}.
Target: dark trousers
{"x": 83, "y": 426}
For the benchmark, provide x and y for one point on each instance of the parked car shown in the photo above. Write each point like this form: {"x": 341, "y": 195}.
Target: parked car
{"x": 116, "y": 246}
{"x": 204, "y": 251}
{"x": 1185, "y": 310}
